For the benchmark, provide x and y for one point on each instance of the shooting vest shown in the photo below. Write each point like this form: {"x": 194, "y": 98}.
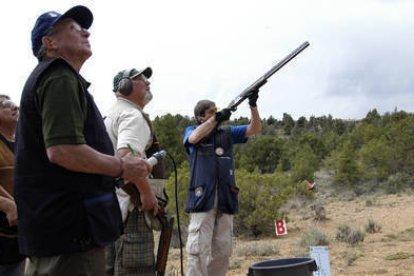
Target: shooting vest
{"x": 212, "y": 171}
{"x": 61, "y": 211}
{"x": 158, "y": 171}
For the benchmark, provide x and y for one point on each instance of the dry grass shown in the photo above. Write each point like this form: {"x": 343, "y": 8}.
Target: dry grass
{"x": 388, "y": 252}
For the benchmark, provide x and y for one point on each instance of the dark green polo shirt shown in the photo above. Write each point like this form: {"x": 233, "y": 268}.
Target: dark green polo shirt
{"x": 62, "y": 106}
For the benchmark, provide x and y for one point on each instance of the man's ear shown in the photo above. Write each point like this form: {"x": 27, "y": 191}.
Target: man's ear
{"x": 49, "y": 43}
{"x": 200, "y": 119}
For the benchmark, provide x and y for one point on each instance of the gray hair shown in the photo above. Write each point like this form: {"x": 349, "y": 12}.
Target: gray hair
{"x": 4, "y": 96}
{"x": 42, "y": 53}
{"x": 3, "y": 99}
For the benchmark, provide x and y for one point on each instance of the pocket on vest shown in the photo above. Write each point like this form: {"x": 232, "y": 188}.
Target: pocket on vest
{"x": 104, "y": 218}
{"x": 228, "y": 191}
{"x": 231, "y": 201}
{"x": 197, "y": 198}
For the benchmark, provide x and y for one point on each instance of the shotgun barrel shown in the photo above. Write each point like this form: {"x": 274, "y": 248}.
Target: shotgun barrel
{"x": 263, "y": 79}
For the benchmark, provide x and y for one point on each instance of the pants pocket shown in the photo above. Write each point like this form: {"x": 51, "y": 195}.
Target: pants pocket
{"x": 193, "y": 240}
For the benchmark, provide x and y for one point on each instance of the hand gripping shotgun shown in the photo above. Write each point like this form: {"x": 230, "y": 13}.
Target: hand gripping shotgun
{"x": 166, "y": 225}
{"x": 166, "y": 222}
{"x": 263, "y": 79}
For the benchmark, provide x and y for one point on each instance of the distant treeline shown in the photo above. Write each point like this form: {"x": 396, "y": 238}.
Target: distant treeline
{"x": 376, "y": 152}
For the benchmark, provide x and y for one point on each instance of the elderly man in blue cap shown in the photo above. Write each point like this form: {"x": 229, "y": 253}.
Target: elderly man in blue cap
{"x": 65, "y": 168}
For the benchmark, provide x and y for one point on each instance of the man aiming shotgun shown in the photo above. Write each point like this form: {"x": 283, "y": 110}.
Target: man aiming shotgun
{"x": 213, "y": 195}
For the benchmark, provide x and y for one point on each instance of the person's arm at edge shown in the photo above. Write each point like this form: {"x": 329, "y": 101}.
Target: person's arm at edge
{"x": 8, "y": 206}
{"x": 82, "y": 158}
{"x": 255, "y": 125}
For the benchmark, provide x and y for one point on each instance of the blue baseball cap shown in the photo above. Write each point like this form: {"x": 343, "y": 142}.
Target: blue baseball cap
{"x": 81, "y": 14}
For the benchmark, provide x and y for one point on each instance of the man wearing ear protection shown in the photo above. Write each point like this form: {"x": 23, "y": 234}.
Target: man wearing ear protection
{"x": 128, "y": 126}
{"x": 212, "y": 195}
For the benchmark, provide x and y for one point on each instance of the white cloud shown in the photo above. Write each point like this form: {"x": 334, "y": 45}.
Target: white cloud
{"x": 359, "y": 56}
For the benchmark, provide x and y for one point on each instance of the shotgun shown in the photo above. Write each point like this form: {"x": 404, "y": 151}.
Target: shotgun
{"x": 164, "y": 243}
{"x": 263, "y": 79}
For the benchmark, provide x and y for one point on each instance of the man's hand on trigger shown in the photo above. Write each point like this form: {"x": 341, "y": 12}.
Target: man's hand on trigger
{"x": 223, "y": 115}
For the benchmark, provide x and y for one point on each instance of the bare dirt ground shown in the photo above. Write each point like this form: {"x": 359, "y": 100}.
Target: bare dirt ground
{"x": 388, "y": 252}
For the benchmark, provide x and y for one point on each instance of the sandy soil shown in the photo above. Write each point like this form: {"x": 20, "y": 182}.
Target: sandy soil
{"x": 388, "y": 252}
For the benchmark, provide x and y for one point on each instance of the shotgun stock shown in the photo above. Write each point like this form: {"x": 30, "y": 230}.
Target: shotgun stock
{"x": 164, "y": 243}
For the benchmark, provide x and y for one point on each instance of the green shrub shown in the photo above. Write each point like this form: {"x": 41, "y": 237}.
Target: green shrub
{"x": 320, "y": 212}
{"x": 257, "y": 249}
{"x": 398, "y": 256}
{"x": 313, "y": 237}
{"x": 350, "y": 257}
{"x": 260, "y": 198}
{"x": 398, "y": 182}
{"x": 372, "y": 227}
{"x": 369, "y": 203}
{"x": 344, "y": 233}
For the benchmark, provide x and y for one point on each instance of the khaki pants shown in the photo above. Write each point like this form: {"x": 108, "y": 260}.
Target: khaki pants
{"x": 88, "y": 263}
{"x": 209, "y": 243}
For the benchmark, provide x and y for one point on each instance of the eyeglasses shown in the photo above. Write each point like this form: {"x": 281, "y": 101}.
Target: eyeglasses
{"x": 210, "y": 111}
{"x": 141, "y": 77}
{"x": 144, "y": 78}
{"x": 7, "y": 104}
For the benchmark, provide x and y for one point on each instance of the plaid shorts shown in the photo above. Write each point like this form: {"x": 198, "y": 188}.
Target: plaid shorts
{"x": 134, "y": 250}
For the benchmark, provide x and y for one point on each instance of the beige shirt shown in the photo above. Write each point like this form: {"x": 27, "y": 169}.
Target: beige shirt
{"x": 125, "y": 125}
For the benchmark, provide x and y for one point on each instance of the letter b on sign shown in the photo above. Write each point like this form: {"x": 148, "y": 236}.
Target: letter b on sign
{"x": 280, "y": 227}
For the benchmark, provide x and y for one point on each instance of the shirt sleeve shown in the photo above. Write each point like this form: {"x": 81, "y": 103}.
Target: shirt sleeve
{"x": 63, "y": 109}
{"x": 238, "y": 134}
{"x": 134, "y": 130}
{"x": 189, "y": 147}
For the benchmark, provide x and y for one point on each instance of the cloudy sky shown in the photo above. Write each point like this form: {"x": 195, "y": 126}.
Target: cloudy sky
{"x": 360, "y": 55}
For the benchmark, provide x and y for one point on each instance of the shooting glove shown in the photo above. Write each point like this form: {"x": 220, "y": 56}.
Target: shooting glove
{"x": 223, "y": 115}
{"x": 253, "y": 98}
